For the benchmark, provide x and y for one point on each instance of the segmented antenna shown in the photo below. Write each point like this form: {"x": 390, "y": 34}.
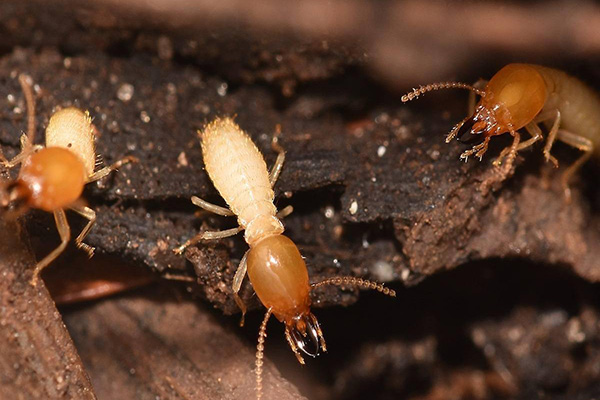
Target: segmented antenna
{"x": 415, "y": 93}
{"x": 25, "y": 82}
{"x": 358, "y": 282}
{"x": 260, "y": 350}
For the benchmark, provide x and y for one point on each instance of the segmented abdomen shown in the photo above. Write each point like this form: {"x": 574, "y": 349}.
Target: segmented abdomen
{"x": 71, "y": 128}
{"x": 238, "y": 170}
{"x": 579, "y": 105}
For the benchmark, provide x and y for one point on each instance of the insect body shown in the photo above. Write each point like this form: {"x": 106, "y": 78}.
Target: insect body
{"x": 52, "y": 177}
{"x": 274, "y": 265}
{"x": 523, "y": 96}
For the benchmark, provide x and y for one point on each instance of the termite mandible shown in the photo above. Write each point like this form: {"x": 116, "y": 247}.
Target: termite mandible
{"x": 274, "y": 265}
{"x": 523, "y": 96}
{"x": 52, "y": 177}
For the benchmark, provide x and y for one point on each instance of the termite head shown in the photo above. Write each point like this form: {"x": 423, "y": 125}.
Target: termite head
{"x": 470, "y": 131}
{"x": 510, "y": 100}
{"x": 305, "y": 334}
{"x": 519, "y": 90}
{"x": 475, "y": 129}
{"x": 280, "y": 279}
{"x": 50, "y": 179}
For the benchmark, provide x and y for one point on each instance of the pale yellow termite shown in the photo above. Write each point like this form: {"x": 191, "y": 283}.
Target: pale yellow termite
{"x": 274, "y": 265}
{"x": 52, "y": 177}
{"x": 524, "y": 96}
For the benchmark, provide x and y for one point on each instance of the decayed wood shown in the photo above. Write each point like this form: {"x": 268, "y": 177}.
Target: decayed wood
{"x": 154, "y": 346}
{"x": 391, "y": 166}
{"x": 37, "y": 357}
{"x": 383, "y": 197}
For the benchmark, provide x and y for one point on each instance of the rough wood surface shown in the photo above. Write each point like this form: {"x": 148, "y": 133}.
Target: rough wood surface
{"x": 376, "y": 191}
{"x": 37, "y": 357}
{"x": 158, "y": 346}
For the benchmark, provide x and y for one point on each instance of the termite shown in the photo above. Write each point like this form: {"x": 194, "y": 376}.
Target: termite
{"x": 274, "y": 265}
{"x": 52, "y": 177}
{"x": 524, "y": 96}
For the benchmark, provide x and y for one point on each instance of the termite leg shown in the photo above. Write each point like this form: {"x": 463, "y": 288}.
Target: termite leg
{"x": 213, "y": 208}
{"x": 480, "y": 84}
{"x": 26, "y": 149}
{"x": 99, "y": 161}
{"x": 545, "y": 116}
{"x": 479, "y": 150}
{"x": 276, "y": 169}
{"x": 551, "y": 138}
{"x": 482, "y": 150}
{"x": 176, "y": 277}
{"x": 510, "y": 153}
{"x": 62, "y": 225}
{"x": 210, "y": 235}
{"x": 488, "y": 349}
{"x": 101, "y": 173}
{"x": 293, "y": 346}
{"x": 536, "y": 134}
{"x": 215, "y": 235}
{"x": 90, "y": 215}
{"x": 16, "y": 160}
{"x": 284, "y": 212}
{"x": 238, "y": 278}
{"x": 581, "y": 143}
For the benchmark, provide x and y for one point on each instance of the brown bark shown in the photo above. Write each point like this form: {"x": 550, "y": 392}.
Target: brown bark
{"x": 153, "y": 345}
{"x": 377, "y": 193}
{"x": 37, "y": 357}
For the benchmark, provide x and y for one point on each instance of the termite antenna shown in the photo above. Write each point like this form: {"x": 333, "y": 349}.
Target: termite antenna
{"x": 358, "y": 282}
{"x": 415, "y": 93}
{"x": 260, "y": 350}
{"x": 25, "y": 82}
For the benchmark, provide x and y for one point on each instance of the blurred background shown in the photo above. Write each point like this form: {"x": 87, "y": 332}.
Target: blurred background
{"x": 497, "y": 293}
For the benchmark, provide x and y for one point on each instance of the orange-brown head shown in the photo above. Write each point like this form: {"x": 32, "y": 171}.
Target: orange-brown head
{"x": 51, "y": 179}
{"x": 520, "y": 89}
{"x": 511, "y": 99}
{"x": 280, "y": 279}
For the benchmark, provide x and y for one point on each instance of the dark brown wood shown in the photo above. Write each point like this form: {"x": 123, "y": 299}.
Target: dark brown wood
{"x": 377, "y": 192}
{"x": 37, "y": 357}
{"x": 151, "y": 345}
